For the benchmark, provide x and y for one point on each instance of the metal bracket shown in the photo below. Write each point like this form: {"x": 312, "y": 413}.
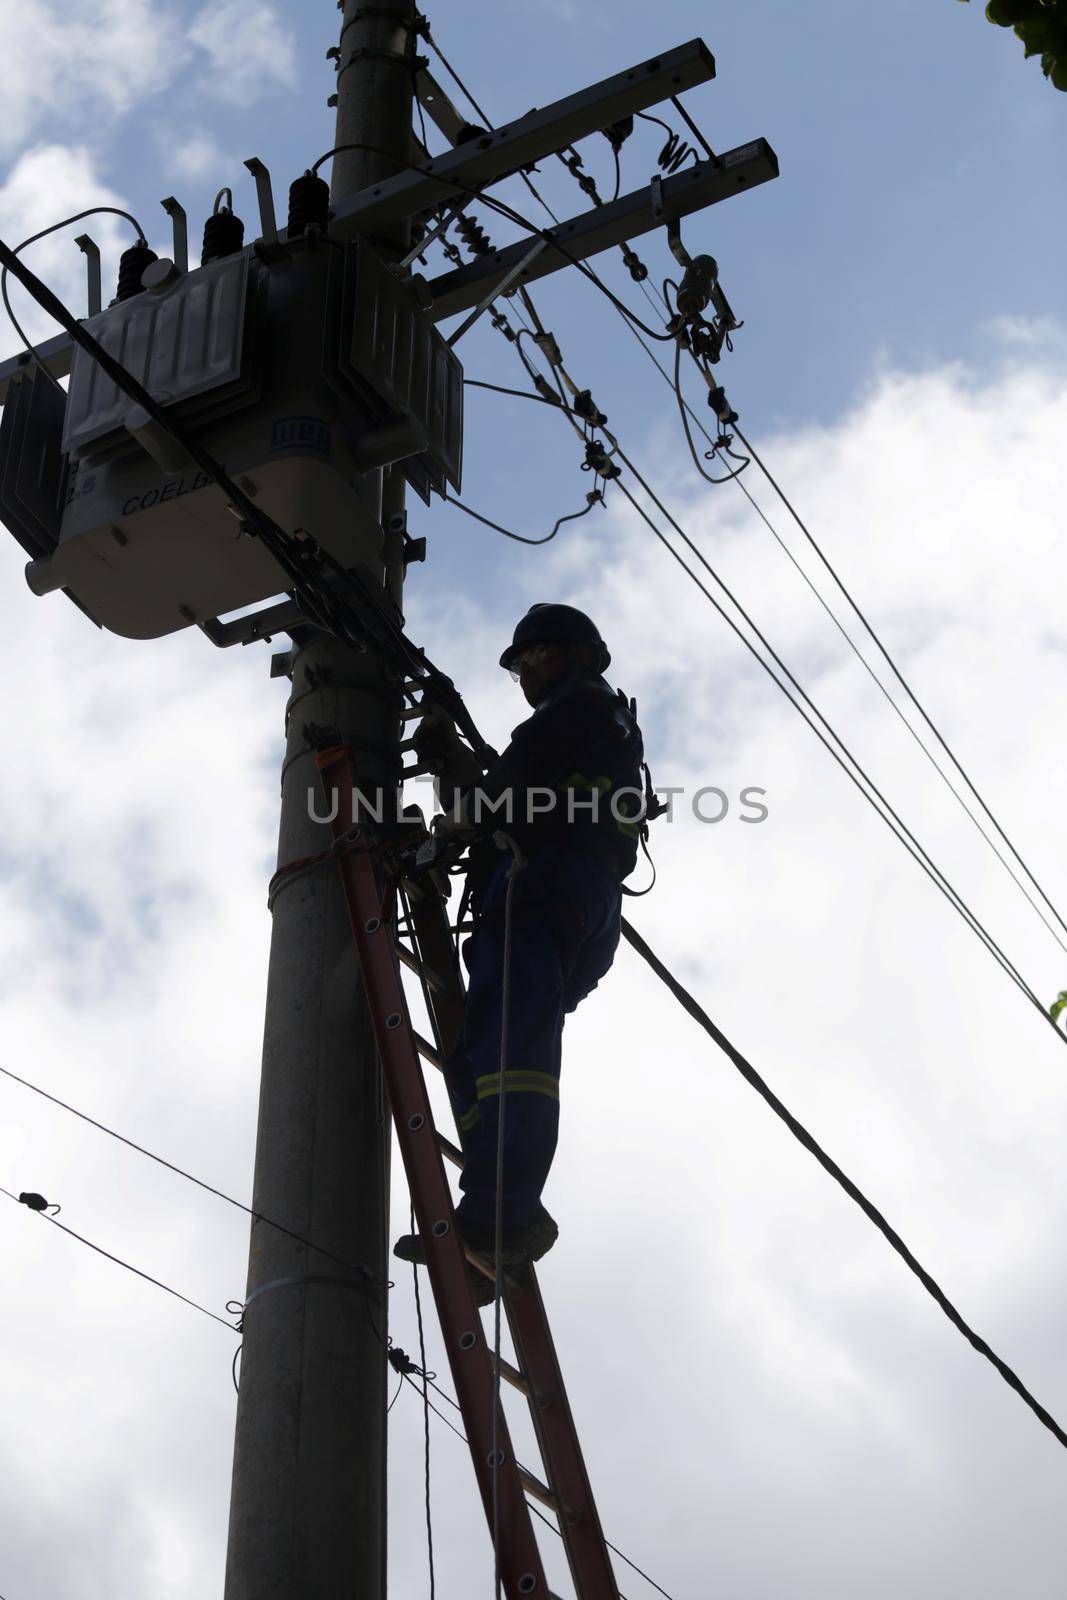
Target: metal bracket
{"x": 439, "y": 108}
{"x": 509, "y": 278}
{"x": 268, "y": 222}
{"x": 439, "y": 227}
{"x": 92, "y": 269}
{"x": 674, "y": 240}
{"x": 608, "y": 225}
{"x": 180, "y": 231}
{"x": 501, "y": 151}
{"x": 259, "y": 625}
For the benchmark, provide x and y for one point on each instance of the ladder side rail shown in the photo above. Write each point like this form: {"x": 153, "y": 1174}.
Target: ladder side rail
{"x": 553, "y": 1422}
{"x": 557, "y": 1439}
{"x": 469, "y": 1357}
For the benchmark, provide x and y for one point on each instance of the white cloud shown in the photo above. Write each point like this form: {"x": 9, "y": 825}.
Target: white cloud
{"x": 251, "y": 50}
{"x": 768, "y": 1402}
{"x": 194, "y": 157}
{"x": 64, "y": 66}
{"x": 47, "y": 183}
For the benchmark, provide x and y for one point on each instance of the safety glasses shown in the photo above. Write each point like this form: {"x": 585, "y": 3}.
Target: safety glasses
{"x": 535, "y": 655}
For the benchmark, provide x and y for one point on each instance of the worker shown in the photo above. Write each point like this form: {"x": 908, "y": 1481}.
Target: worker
{"x": 567, "y": 793}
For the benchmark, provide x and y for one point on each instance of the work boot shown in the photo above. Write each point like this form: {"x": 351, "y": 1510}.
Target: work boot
{"x": 410, "y": 1248}
{"x": 524, "y": 1244}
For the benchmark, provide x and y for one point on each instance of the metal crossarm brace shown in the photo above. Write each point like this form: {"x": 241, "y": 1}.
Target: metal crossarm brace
{"x": 703, "y": 184}
{"x": 501, "y": 151}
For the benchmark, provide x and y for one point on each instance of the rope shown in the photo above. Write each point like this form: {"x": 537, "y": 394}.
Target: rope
{"x": 749, "y": 1073}
{"x": 504, "y": 841}
{"x": 304, "y": 864}
{"x": 425, "y": 1412}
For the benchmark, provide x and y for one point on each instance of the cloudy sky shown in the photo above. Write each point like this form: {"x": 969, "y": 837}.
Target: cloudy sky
{"x": 769, "y": 1403}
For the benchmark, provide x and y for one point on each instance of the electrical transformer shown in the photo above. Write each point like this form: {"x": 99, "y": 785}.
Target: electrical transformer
{"x": 301, "y": 366}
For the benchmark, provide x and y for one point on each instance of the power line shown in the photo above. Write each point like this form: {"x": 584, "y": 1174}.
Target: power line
{"x": 758, "y": 509}
{"x": 883, "y": 808}
{"x": 530, "y": 1505}
{"x": 119, "y": 1261}
{"x": 634, "y": 327}
{"x": 220, "y": 1194}
{"x": 899, "y": 675}
{"x": 749, "y": 1073}
{"x": 900, "y": 829}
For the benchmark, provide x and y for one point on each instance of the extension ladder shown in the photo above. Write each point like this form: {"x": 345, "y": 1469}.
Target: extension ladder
{"x": 371, "y": 891}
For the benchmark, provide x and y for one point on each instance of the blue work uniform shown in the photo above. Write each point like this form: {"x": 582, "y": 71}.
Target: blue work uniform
{"x": 581, "y": 741}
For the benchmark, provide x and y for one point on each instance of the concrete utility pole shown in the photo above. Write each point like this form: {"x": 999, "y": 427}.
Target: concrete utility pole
{"x": 308, "y": 1503}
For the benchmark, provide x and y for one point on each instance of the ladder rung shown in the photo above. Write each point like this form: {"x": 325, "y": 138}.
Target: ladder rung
{"x": 539, "y": 1490}
{"x": 450, "y": 1151}
{"x": 411, "y": 712}
{"x": 513, "y": 1376}
{"x": 484, "y": 1265}
{"x": 428, "y": 1051}
{"x": 433, "y": 980}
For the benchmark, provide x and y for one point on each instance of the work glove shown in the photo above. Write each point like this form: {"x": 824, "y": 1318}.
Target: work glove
{"x": 455, "y": 824}
{"x": 440, "y": 749}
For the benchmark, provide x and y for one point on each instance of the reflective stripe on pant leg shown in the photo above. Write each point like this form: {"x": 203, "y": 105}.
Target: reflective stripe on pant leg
{"x": 517, "y": 1081}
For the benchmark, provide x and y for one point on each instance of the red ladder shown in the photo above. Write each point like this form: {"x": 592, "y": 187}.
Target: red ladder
{"x": 371, "y": 892}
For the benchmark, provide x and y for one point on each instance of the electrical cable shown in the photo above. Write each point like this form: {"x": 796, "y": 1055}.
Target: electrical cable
{"x": 683, "y": 413}
{"x": 896, "y": 825}
{"x": 595, "y": 497}
{"x": 220, "y": 1194}
{"x": 687, "y": 411}
{"x": 900, "y": 830}
{"x": 923, "y": 746}
{"x": 120, "y": 1263}
{"x": 675, "y": 153}
{"x": 498, "y": 388}
{"x": 896, "y": 671}
{"x": 751, "y": 1076}
{"x": 54, "y": 227}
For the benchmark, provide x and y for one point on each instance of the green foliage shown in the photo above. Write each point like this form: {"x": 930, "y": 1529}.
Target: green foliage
{"x": 1042, "y": 27}
{"x": 1058, "y": 1005}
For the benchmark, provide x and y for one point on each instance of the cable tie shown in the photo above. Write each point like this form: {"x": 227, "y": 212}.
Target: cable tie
{"x": 37, "y": 1202}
